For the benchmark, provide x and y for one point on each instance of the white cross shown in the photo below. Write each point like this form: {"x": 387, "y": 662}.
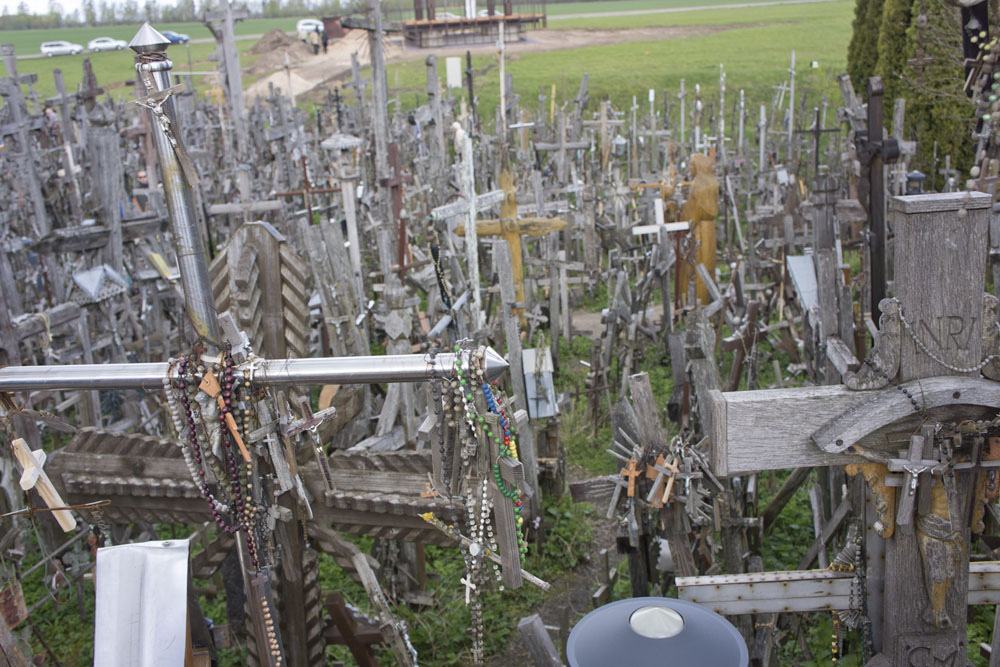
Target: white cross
{"x": 468, "y": 588}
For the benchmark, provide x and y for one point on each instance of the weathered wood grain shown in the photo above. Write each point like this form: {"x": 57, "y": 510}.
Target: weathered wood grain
{"x": 772, "y": 429}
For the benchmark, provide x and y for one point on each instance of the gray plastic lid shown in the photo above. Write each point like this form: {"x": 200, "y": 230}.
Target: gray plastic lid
{"x": 633, "y": 632}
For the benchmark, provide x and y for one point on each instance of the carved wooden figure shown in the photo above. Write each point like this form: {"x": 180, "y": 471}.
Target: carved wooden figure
{"x": 701, "y": 209}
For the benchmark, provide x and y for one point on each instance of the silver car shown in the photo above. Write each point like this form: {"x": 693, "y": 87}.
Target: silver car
{"x": 106, "y": 44}
{"x": 60, "y": 48}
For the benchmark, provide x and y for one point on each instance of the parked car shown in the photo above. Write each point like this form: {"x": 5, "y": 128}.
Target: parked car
{"x": 306, "y": 26}
{"x": 309, "y": 25}
{"x": 486, "y": 12}
{"x": 106, "y": 44}
{"x": 60, "y": 48}
{"x": 175, "y": 37}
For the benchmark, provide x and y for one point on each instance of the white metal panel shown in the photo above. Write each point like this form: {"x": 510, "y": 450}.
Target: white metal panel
{"x": 141, "y": 614}
{"x": 453, "y": 71}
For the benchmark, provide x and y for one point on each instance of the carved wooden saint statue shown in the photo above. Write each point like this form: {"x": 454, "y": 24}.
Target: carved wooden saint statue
{"x": 701, "y": 209}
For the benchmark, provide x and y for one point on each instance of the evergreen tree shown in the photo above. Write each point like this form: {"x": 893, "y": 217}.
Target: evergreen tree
{"x": 937, "y": 109}
{"x": 863, "y": 51}
{"x": 853, "y": 49}
{"x": 89, "y": 12}
{"x": 892, "y": 47}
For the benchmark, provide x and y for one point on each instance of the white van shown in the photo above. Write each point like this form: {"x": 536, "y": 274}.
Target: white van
{"x": 306, "y": 26}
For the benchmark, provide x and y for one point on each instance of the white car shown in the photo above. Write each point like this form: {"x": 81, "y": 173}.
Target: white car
{"x": 106, "y": 44}
{"x": 60, "y": 48}
{"x": 308, "y": 25}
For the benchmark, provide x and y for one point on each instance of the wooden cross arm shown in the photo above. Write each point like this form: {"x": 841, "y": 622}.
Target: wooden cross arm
{"x": 804, "y": 590}
{"x": 33, "y": 476}
{"x": 774, "y": 429}
{"x": 521, "y": 226}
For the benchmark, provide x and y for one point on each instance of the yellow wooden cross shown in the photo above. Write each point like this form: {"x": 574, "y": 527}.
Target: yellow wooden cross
{"x": 511, "y": 228}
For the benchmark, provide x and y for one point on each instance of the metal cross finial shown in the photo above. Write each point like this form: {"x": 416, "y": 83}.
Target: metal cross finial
{"x": 148, "y": 40}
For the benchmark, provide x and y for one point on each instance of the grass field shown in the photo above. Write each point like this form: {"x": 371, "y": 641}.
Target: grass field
{"x": 754, "y": 47}
{"x": 755, "y": 51}
{"x": 557, "y": 9}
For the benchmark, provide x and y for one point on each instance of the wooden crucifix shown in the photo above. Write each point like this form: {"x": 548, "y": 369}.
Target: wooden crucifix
{"x": 511, "y": 229}
{"x": 936, "y": 335}
{"x": 307, "y": 191}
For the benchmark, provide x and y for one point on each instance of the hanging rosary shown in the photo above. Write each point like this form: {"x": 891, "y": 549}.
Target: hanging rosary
{"x": 476, "y": 434}
{"x": 212, "y": 411}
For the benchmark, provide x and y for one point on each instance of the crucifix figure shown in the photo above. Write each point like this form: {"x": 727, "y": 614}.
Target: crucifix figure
{"x": 938, "y": 334}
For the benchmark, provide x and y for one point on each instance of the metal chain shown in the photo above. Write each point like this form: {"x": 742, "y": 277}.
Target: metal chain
{"x": 916, "y": 406}
{"x": 923, "y": 348}
{"x": 102, "y": 525}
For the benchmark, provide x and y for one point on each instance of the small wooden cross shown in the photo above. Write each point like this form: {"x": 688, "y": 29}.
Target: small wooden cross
{"x": 33, "y": 476}
{"x": 664, "y": 474}
{"x": 914, "y": 463}
{"x": 630, "y": 472}
{"x": 469, "y": 587}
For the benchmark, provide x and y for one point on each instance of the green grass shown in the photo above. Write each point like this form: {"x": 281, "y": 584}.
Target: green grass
{"x": 755, "y": 54}
{"x": 754, "y": 49}
{"x": 114, "y": 69}
{"x": 554, "y": 10}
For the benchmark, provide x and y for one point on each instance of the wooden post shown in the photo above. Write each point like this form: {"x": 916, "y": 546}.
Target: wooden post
{"x": 26, "y": 153}
{"x": 536, "y": 638}
{"x": 940, "y": 267}
{"x": 502, "y": 261}
{"x": 106, "y": 157}
{"x": 876, "y": 195}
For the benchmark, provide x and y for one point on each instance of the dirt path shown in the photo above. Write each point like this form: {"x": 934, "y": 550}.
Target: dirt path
{"x": 572, "y": 590}
{"x": 313, "y": 71}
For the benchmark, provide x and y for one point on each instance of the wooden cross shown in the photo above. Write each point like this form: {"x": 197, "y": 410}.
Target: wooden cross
{"x": 661, "y": 472}
{"x": 395, "y": 184}
{"x": 817, "y": 133}
{"x": 286, "y": 130}
{"x": 631, "y": 472}
{"x": 511, "y": 229}
{"x": 950, "y": 175}
{"x": 33, "y": 477}
{"x": 604, "y": 123}
{"x": 939, "y": 282}
{"x": 20, "y": 126}
{"x": 915, "y": 463}
{"x": 562, "y": 163}
{"x": 469, "y": 587}
{"x": 307, "y": 191}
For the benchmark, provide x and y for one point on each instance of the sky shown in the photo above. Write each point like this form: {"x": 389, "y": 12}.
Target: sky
{"x": 42, "y": 6}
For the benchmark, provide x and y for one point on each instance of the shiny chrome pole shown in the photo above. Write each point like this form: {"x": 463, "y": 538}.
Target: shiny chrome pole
{"x": 152, "y": 64}
{"x": 266, "y": 372}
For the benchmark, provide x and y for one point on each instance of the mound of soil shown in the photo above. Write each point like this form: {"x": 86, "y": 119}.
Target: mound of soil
{"x": 272, "y": 48}
{"x": 273, "y": 40}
